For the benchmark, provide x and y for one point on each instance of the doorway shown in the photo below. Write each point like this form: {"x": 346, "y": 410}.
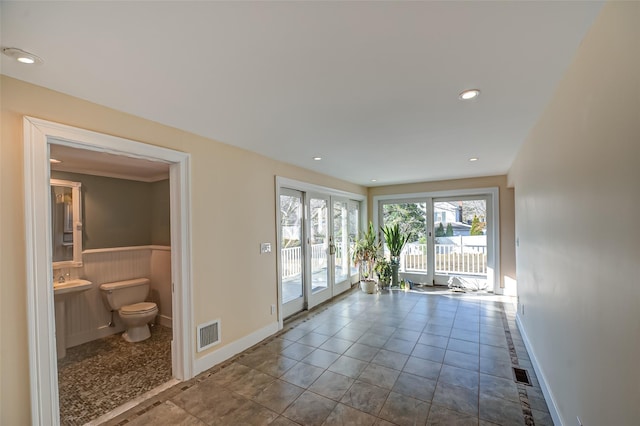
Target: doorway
{"x": 316, "y": 233}
{"x": 39, "y": 134}
{"x": 454, "y": 237}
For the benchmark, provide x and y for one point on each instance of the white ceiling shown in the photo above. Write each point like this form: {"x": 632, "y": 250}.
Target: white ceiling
{"x": 106, "y": 164}
{"x": 372, "y": 87}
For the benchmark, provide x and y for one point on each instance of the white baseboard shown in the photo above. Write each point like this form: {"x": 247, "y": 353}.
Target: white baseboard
{"x": 224, "y": 353}
{"x": 548, "y": 396}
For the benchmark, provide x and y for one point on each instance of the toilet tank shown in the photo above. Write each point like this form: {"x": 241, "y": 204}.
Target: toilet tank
{"x": 121, "y": 293}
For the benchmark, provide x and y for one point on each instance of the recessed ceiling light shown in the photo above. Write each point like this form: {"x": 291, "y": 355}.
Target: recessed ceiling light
{"x": 317, "y": 158}
{"x": 374, "y": 180}
{"x": 22, "y": 56}
{"x": 469, "y": 94}
{"x": 54, "y": 161}
{"x": 472, "y": 159}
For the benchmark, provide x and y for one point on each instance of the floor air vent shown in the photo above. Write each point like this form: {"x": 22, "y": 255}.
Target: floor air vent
{"x": 208, "y": 335}
{"x": 521, "y": 376}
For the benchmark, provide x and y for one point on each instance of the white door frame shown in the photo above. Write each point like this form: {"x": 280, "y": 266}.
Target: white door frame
{"x": 43, "y": 369}
{"x": 493, "y": 206}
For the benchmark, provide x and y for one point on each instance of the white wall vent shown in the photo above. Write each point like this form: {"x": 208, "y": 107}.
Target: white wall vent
{"x": 208, "y": 335}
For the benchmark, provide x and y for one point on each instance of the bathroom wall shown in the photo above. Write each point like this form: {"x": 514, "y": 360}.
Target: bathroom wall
{"x": 122, "y": 212}
{"x": 121, "y": 220}
{"x": 87, "y": 315}
{"x": 160, "y": 275}
{"x": 160, "y": 213}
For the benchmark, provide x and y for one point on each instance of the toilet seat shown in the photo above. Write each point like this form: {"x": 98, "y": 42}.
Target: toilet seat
{"x": 138, "y": 308}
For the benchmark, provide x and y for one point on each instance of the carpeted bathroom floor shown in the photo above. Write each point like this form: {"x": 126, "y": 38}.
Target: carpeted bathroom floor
{"x": 97, "y": 377}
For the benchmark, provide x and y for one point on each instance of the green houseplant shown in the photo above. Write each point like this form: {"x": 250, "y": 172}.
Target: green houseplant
{"x": 383, "y": 270}
{"x": 365, "y": 254}
{"x": 396, "y": 240}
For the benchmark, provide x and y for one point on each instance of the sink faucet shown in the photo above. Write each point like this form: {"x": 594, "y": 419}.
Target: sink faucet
{"x": 63, "y": 277}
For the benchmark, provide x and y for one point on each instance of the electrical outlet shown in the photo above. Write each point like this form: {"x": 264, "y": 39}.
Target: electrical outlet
{"x": 265, "y": 248}
{"x": 273, "y": 309}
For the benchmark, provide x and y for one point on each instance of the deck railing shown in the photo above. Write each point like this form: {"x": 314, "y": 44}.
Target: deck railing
{"x": 449, "y": 259}
{"x": 466, "y": 259}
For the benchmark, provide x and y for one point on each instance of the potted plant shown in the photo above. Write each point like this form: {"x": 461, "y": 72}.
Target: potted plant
{"x": 383, "y": 270}
{"x": 365, "y": 254}
{"x": 396, "y": 240}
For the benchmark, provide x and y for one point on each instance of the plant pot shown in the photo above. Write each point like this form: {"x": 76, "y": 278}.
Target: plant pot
{"x": 395, "y": 265}
{"x": 369, "y": 286}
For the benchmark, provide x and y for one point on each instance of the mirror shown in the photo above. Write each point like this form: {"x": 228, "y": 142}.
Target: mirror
{"x": 66, "y": 223}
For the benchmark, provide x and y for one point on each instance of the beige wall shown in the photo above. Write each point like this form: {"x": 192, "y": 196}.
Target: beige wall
{"x": 231, "y": 280}
{"x": 507, "y": 227}
{"x": 577, "y": 203}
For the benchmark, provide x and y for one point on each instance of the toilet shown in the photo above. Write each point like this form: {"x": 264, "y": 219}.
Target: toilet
{"x": 128, "y": 298}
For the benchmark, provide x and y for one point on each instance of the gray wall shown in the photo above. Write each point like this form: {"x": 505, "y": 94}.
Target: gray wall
{"x": 120, "y": 212}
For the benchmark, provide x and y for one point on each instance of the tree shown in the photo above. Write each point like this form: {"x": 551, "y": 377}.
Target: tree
{"x": 440, "y": 230}
{"x": 412, "y": 218}
{"x": 449, "y": 232}
{"x": 476, "y": 226}
{"x": 471, "y": 208}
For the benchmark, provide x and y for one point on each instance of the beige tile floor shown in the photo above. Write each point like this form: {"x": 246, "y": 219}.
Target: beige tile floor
{"x": 395, "y": 358}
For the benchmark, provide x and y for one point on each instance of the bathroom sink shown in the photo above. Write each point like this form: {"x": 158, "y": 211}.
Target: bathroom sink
{"x": 72, "y": 286}
{"x": 62, "y": 292}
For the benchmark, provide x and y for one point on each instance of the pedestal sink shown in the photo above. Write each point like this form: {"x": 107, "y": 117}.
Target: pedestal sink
{"x": 62, "y": 292}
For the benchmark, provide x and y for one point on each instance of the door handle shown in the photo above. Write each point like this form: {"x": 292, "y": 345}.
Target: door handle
{"x": 332, "y": 249}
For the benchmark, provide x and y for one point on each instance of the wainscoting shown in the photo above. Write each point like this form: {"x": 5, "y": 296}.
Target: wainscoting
{"x": 87, "y": 316}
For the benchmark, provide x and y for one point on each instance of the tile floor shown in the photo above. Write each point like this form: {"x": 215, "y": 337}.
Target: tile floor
{"x": 395, "y": 358}
{"x": 99, "y": 376}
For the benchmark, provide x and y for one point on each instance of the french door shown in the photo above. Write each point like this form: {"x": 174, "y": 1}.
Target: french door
{"x": 292, "y": 250}
{"x": 319, "y": 262}
{"x": 450, "y": 237}
{"x": 317, "y": 233}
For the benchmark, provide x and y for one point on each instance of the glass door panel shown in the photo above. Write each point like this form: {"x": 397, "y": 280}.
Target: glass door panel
{"x": 291, "y": 252}
{"x": 460, "y": 246}
{"x": 353, "y": 227}
{"x": 412, "y": 218}
{"x": 340, "y": 243}
{"x": 319, "y": 243}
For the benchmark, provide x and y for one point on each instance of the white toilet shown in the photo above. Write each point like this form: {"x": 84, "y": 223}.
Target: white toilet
{"x": 128, "y": 298}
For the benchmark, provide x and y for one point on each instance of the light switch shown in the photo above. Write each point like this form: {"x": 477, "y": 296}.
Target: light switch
{"x": 265, "y": 248}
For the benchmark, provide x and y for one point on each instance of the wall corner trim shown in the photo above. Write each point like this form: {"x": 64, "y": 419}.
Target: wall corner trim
{"x": 224, "y": 353}
{"x": 548, "y": 396}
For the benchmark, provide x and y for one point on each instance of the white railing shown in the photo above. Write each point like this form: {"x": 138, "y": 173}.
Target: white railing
{"x": 292, "y": 259}
{"x": 291, "y": 262}
{"x": 467, "y": 259}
